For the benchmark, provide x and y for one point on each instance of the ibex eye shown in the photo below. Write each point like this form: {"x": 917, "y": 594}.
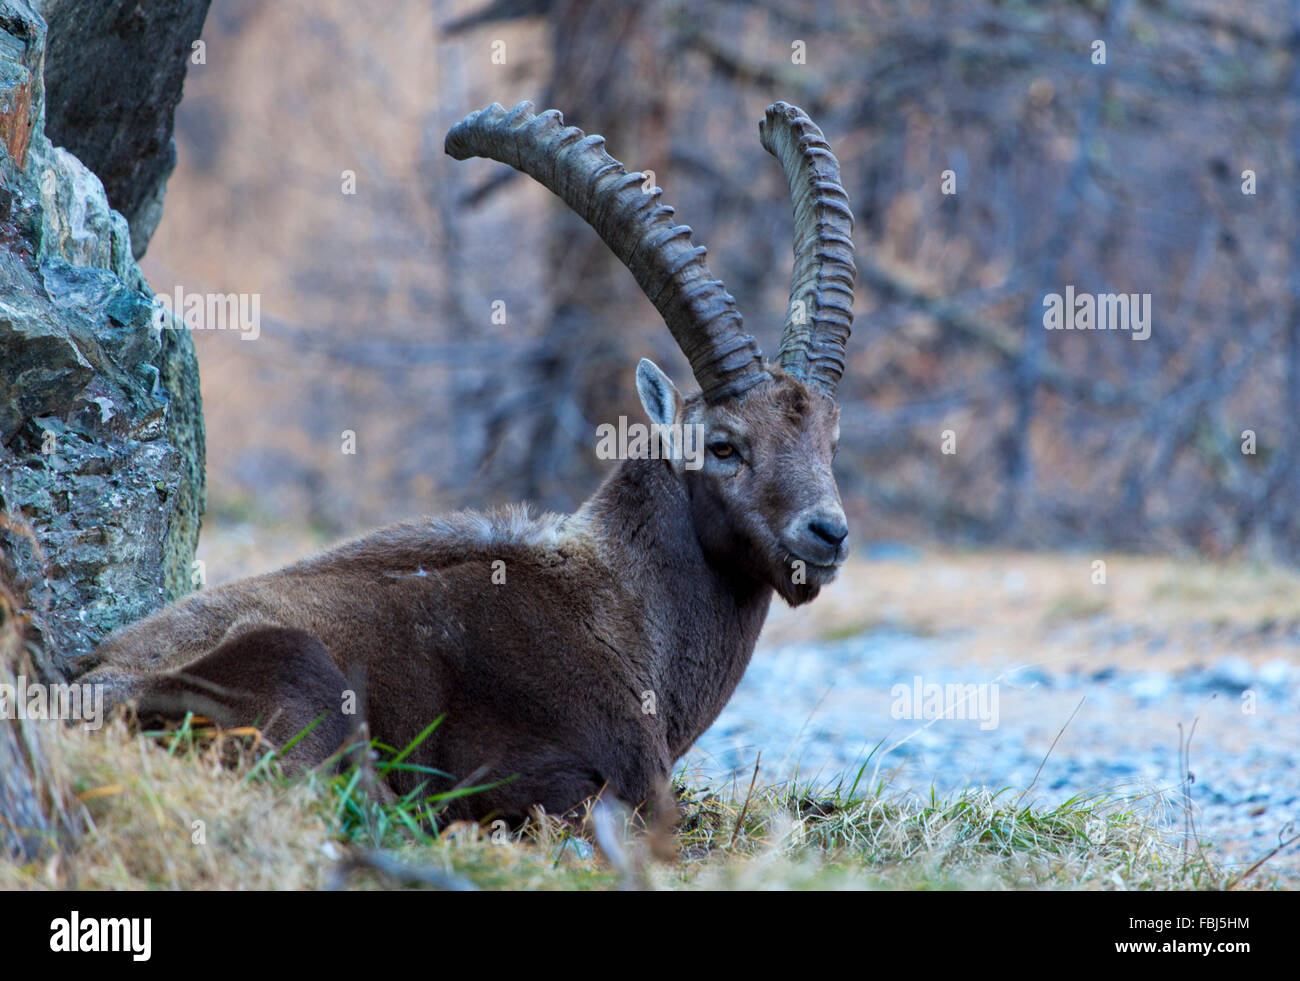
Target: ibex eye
{"x": 722, "y": 450}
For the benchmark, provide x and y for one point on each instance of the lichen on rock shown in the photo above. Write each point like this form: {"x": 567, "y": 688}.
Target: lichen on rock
{"x": 101, "y": 433}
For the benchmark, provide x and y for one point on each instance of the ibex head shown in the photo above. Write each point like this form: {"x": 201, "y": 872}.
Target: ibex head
{"x": 765, "y": 500}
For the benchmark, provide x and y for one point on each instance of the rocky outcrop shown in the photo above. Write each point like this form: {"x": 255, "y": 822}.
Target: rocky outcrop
{"x": 114, "y": 70}
{"x": 101, "y": 432}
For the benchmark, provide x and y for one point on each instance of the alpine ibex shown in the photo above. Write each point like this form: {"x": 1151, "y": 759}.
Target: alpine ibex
{"x": 659, "y": 583}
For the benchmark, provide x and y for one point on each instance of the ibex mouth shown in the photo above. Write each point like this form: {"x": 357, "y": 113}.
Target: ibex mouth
{"x": 803, "y": 580}
{"x": 815, "y": 573}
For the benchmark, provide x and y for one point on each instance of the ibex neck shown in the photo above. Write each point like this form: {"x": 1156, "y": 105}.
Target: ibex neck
{"x": 701, "y": 618}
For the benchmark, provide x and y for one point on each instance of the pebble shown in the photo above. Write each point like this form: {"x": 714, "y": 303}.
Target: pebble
{"x": 1276, "y": 674}
{"x": 1231, "y": 674}
{"x": 1151, "y": 686}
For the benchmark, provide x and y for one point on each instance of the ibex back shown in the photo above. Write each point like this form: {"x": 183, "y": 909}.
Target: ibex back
{"x": 568, "y": 655}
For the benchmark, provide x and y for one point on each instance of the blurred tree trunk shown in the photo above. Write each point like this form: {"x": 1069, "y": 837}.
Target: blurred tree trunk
{"x": 1288, "y": 525}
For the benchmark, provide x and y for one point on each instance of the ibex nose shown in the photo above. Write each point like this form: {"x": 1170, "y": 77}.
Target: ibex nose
{"x": 818, "y": 538}
{"x": 830, "y": 528}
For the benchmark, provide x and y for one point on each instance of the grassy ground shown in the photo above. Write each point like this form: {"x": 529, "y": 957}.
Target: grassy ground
{"x": 186, "y": 811}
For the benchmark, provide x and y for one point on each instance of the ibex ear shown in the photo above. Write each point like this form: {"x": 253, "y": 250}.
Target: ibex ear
{"x": 663, "y": 403}
{"x": 659, "y": 395}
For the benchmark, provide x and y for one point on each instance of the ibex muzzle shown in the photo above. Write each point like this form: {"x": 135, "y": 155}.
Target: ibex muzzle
{"x": 569, "y": 655}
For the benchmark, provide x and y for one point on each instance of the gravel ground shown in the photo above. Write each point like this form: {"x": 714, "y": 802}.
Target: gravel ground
{"x": 817, "y": 709}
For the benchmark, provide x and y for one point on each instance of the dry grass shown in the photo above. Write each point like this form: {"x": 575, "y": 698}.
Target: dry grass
{"x": 177, "y": 820}
{"x": 179, "y": 812}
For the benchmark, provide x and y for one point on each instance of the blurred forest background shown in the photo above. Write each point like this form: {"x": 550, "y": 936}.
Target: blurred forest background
{"x": 1123, "y": 177}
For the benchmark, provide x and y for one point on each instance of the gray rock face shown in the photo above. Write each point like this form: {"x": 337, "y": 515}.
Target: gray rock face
{"x": 101, "y": 432}
{"x": 114, "y": 70}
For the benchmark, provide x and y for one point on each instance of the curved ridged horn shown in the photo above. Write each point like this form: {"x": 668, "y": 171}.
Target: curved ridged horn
{"x": 812, "y": 343}
{"x": 699, "y": 312}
